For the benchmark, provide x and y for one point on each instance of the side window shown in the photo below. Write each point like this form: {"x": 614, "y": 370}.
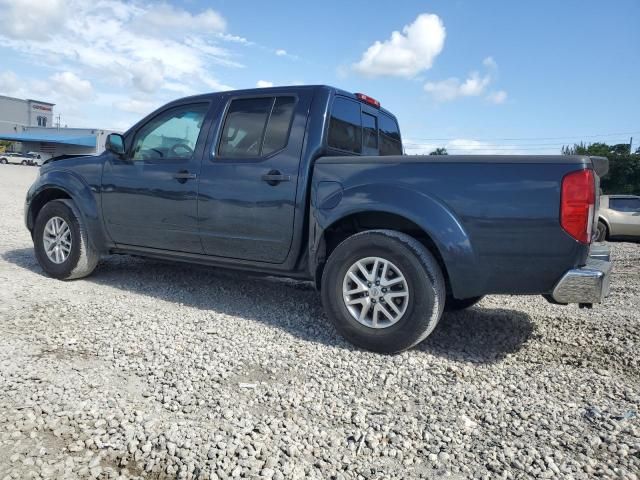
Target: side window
{"x": 390, "y": 143}
{"x": 256, "y": 126}
{"x": 625, "y": 204}
{"x": 277, "y": 133}
{"x": 370, "y": 133}
{"x": 171, "y": 135}
{"x": 345, "y": 131}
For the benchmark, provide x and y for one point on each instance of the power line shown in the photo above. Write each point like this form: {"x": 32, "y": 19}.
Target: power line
{"x": 487, "y": 144}
{"x": 529, "y": 138}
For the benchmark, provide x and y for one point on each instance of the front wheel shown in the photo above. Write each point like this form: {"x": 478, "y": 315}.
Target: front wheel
{"x": 383, "y": 290}
{"x": 24, "y": 163}
{"x": 3, "y": 161}
{"x": 61, "y": 241}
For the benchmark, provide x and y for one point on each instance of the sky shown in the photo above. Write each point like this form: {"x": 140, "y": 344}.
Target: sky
{"x": 474, "y": 77}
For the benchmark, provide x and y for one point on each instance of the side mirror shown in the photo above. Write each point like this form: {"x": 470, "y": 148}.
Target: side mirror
{"x": 115, "y": 144}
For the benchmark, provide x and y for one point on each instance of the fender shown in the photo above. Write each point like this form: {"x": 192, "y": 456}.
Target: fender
{"x": 431, "y": 215}
{"x": 83, "y": 196}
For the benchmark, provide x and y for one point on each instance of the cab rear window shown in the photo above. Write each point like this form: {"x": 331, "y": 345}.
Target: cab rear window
{"x": 390, "y": 143}
{"x": 355, "y": 131}
{"x": 345, "y": 127}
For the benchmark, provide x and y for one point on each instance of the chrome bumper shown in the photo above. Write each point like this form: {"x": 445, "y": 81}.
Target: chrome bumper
{"x": 586, "y": 285}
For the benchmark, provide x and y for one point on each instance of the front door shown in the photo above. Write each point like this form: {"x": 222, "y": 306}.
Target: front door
{"x": 149, "y": 197}
{"x": 249, "y": 178}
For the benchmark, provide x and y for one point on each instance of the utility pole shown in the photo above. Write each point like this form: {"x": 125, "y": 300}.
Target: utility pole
{"x": 630, "y": 145}
{"x": 58, "y": 122}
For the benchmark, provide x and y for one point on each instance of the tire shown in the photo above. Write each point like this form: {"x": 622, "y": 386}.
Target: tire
{"x": 422, "y": 279}
{"x": 603, "y": 232}
{"x": 23, "y": 163}
{"x": 455, "y": 304}
{"x": 3, "y": 161}
{"x": 82, "y": 257}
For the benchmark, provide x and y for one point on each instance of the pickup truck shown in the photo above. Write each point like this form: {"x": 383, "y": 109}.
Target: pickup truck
{"x": 310, "y": 182}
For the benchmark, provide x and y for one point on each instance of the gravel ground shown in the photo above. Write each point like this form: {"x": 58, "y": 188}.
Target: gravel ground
{"x": 163, "y": 371}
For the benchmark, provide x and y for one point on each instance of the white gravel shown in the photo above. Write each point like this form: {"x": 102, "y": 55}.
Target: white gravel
{"x": 165, "y": 371}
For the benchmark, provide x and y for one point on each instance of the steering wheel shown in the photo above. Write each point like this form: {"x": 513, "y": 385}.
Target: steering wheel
{"x": 184, "y": 146}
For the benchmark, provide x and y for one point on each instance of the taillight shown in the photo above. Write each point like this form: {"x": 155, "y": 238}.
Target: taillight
{"x": 577, "y": 204}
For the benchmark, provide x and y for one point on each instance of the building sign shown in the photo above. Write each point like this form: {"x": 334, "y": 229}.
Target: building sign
{"x": 45, "y": 108}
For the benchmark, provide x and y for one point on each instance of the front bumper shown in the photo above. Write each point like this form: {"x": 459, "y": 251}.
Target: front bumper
{"x": 586, "y": 285}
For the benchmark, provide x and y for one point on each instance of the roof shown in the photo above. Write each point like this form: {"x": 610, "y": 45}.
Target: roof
{"x": 26, "y": 100}
{"x": 53, "y": 137}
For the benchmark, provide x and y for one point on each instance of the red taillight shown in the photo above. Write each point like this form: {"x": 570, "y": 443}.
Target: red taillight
{"x": 367, "y": 99}
{"x": 577, "y": 204}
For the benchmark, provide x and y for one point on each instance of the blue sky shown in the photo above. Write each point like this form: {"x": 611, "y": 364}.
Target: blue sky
{"x": 468, "y": 75}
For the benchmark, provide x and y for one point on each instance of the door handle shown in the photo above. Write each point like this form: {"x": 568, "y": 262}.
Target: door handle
{"x": 183, "y": 176}
{"x": 274, "y": 177}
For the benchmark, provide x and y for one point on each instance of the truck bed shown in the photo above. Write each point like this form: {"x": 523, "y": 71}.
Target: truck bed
{"x": 493, "y": 218}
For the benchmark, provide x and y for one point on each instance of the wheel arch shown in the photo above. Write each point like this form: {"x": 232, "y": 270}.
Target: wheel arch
{"x": 397, "y": 208}
{"x": 606, "y": 224}
{"x": 43, "y": 197}
{"x": 66, "y": 185}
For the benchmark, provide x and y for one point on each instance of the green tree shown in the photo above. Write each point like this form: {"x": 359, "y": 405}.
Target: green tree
{"x": 624, "y": 167}
{"x": 439, "y": 151}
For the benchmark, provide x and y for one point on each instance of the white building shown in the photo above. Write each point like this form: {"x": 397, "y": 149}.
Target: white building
{"x": 29, "y": 124}
{"x": 15, "y": 112}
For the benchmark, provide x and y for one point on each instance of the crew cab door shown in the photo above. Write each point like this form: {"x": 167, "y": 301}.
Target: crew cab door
{"x": 149, "y": 197}
{"x": 248, "y": 183}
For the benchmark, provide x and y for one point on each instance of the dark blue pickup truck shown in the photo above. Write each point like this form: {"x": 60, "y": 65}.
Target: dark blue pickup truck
{"x": 311, "y": 182}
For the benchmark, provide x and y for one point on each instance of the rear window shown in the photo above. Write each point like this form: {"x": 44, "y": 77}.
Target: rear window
{"x": 625, "y": 204}
{"x": 390, "y": 143}
{"x": 370, "y": 134}
{"x": 345, "y": 130}
{"x": 351, "y": 129}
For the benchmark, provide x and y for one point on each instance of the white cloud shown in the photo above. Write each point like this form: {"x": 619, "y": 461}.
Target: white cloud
{"x": 281, "y": 53}
{"x": 136, "y": 106}
{"x": 147, "y": 75}
{"x": 9, "y": 83}
{"x": 167, "y": 19}
{"x": 474, "y": 85}
{"x": 406, "y": 53}
{"x": 69, "y": 84}
{"x": 264, "y": 84}
{"x": 489, "y": 62}
{"x": 31, "y": 19}
{"x": 158, "y": 51}
{"x": 498, "y": 97}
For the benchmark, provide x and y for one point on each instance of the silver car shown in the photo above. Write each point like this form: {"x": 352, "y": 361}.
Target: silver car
{"x": 619, "y": 217}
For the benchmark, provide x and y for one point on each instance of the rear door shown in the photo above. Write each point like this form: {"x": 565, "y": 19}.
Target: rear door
{"x": 248, "y": 182}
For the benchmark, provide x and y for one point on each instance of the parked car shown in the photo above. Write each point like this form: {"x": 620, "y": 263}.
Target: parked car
{"x": 619, "y": 217}
{"x": 37, "y": 158}
{"x": 18, "y": 158}
{"x": 310, "y": 182}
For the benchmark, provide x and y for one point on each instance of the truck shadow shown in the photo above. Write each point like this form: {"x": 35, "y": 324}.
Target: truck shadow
{"x": 477, "y": 335}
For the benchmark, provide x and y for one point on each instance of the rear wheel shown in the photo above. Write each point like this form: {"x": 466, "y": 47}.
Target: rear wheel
{"x": 383, "y": 290}
{"x": 455, "y": 304}
{"x": 603, "y": 232}
{"x": 61, "y": 241}
{"x": 3, "y": 161}
{"x": 24, "y": 162}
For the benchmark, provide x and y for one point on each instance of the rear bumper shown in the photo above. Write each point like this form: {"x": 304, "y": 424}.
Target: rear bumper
{"x": 588, "y": 284}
